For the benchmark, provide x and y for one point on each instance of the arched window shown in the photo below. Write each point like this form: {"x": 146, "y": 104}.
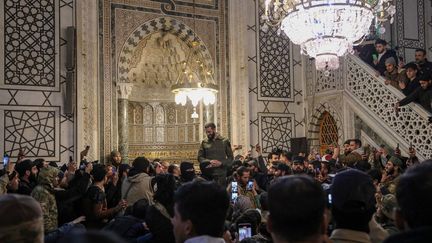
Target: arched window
{"x": 328, "y": 133}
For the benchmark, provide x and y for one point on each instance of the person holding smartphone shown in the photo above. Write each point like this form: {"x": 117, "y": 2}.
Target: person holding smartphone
{"x": 244, "y": 186}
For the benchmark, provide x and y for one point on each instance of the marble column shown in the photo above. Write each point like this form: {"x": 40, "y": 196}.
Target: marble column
{"x": 123, "y": 91}
{"x": 239, "y": 77}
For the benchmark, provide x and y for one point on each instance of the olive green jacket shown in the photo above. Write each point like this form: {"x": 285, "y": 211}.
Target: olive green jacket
{"x": 217, "y": 149}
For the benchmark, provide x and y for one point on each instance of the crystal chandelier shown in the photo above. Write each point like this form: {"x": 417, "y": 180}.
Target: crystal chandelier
{"x": 327, "y": 29}
{"x": 195, "y": 81}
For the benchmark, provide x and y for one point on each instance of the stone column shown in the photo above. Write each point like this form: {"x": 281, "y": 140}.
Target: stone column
{"x": 123, "y": 91}
{"x": 239, "y": 78}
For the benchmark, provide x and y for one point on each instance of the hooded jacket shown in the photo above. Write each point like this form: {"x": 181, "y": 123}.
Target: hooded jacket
{"x": 137, "y": 186}
{"x": 44, "y": 194}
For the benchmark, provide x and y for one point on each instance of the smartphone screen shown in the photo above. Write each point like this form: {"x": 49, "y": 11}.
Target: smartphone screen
{"x": 5, "y": 160}
{"x": 244, "y": 231}
{"x": 234, "y": 187}
{"x": 234, "y": 191}
{"x": 250, "y": 186}
{"x": 234, "y": 196}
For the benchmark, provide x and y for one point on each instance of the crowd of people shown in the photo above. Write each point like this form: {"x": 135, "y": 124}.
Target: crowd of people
{"x": 413, "y": 79}
{"x": 352, "y": 193}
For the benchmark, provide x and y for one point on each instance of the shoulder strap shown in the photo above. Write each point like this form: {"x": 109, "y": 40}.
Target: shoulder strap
{"x": 127, "y": 191}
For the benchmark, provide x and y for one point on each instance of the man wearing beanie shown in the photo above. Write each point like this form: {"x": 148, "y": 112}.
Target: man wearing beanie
{"x": 353, "y": 204}
{"x": 393, "y": 75}
{"x": 138, "y": 183}
{"x": 22, "y": 219}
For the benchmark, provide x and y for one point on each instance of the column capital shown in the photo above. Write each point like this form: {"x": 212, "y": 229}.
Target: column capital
{"x": 124, "y": 90}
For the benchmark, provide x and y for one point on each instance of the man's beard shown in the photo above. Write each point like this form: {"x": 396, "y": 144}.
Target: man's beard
{"x": 390, "y": 171}
{"x": 32, "y": 178}
{"x": 298, "y": 171}
{"x": 211, "y": 136}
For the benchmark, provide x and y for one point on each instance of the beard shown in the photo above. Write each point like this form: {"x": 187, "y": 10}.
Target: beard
{"x": 390, "y": 171}
{"x": 211, "y": 136}
{"x": 33, "y": 178}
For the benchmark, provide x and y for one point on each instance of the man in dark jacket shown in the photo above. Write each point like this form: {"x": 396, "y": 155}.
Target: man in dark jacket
{"x": 424, "y": 65}
{"x": 422, "y": 95}
{"x": 216, "y": 150}
{"x": 412, "y": 79}
{"x": 383, "y": 54}
{"x": 27, "y": 171}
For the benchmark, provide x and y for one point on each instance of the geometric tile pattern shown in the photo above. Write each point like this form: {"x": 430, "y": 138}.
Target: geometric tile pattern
{"x": 32, "y": 95}
{"x": 274, "y": 63}
{"x": 276, "y": 130}
{"x": 30, "y": 52}
{"x": 33, "y": 131}
{"x": 403, "y": 41}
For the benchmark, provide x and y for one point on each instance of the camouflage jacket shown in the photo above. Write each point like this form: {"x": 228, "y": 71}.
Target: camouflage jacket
{"x": 45, "y": 196}
{"x": 4, "y": 180}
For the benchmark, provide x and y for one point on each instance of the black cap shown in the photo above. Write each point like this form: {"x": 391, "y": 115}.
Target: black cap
{"x": 353, "y": 191}
{"x": 298, "y": 159}
{"x": 23, "y": 166}
{"x": 425, "y": 77}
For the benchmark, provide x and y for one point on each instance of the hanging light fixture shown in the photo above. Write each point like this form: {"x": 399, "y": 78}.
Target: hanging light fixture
{"x": 195, "y": 82}
{"x": 327, "y": 29}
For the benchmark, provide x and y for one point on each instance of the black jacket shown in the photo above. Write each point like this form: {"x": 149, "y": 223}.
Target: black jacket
{"x": 160, "y": 226}
{"x": 421, "y": 235}
{"x": 380, "y": 66}
{"x": 421, "y": 96}
{"x": 411, "y": 86}
{"x": 425, "y": 67}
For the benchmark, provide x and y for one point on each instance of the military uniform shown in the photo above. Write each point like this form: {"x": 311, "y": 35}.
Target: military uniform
{"x": 4, "y": 181}
{"x": 44, "y": 194}
{"x": 218, "y": 148}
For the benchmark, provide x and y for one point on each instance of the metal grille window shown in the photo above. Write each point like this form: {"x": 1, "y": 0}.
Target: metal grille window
{"x": 328, "y": 133}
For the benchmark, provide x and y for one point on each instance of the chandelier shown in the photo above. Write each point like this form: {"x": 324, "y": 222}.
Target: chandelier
{"x": 327, "y": 29}
{"x": 195, "y": 81}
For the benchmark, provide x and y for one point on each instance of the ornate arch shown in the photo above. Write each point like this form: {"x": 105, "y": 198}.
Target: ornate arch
{"x": 170, "y": 25}
{"x": 319, "y": 113}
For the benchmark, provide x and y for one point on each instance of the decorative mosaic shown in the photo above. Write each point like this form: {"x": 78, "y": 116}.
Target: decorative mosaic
{"x": 33, "y": 131}
{"x": 32, "y": 79}
{"x": 274, "y": 63}
{"x": 276, "y": 130}
{"x": 30, "y": 43}
{"x": 124, "y": 24}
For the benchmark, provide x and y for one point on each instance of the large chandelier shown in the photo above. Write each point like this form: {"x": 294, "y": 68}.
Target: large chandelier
{"x": 195, "y": 81}
{"x": 327, "y": 29}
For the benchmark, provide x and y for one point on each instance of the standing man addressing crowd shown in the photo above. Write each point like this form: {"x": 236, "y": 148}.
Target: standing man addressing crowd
{"x": 216, "y": 153}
